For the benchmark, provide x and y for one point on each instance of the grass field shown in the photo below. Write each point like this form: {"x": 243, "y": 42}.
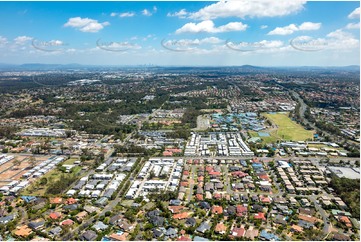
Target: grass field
{"x": 36, "y": 189}
{"x": 286, "y": 129}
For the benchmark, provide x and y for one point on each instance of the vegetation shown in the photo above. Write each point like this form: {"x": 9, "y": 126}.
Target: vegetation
{"x": 349, "y": 191}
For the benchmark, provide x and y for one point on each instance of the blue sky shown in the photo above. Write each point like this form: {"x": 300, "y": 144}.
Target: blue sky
{"x": 264, "y": 33}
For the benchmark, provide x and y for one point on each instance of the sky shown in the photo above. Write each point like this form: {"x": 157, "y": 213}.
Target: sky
{"x": 262, "y": 33}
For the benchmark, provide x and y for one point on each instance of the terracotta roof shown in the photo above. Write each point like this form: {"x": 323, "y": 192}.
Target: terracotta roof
{"x": 176, "y": 209}
{"x": 67, "y": 222}
{"x": 260, "y": 216}
{"x": 184, "y": 238}
{"x": 118, "y": 237}
{"x": 199, "y": 197}
{"x": 220, "y": 228}
{"x": 307, "y": 218}
{"x": 55, "y": 215}
{"x": 238, "y": 232}
{"x": 71, "y": 201}
{"x": 23, "y": 231}
{"x": 217, "y": 209}
{"x": 183, "y": 215}
{"x": 56, "y": 200}
{"x": 297, "y": 228}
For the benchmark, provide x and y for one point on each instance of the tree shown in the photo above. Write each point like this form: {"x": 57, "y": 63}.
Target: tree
{"x": 16, "y": 162}
{"x": 32, "y": 161}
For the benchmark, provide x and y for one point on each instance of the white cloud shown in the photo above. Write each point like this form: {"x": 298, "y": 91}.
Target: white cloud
{"x": 146, "y": 12}
{"x": 353, "y": 26}
{"x": 310, "y": 26}
{"x": 180, "y": 14}
{"x": 127, "y": 14}
{"x": 355, "y": 13}
{"x": 3, "y": 41}
{"x": 208, "y": 26}
{"x": 264, "y": 26}
{"x": 21, "y": 40}
{"x": 85, "y": 24}
{"x": 155, "y": 9}
{"x": 290, "y": 29}
{"x": 113, "y": 14}
{"x": 248, "y": 8}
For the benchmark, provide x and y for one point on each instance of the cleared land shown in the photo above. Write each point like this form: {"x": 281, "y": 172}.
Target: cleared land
{"x": 286, "y": 129}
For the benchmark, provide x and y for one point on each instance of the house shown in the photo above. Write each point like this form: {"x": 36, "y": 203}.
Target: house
{"x": 56, "y": 200}
{"x": 199, "y": 197}
{"x": 174, "y": 202}
{"x": 183, "y": 215}
{"x": 55, "y": 216}
{"x": 304, "y": 224}
{"x": 203, "y": 227}
{"x": 123, "y": 224}
{"x": 238, "y": 232}
{"x": 231, "y": 210}
{"x": 157, "y": 221}
{"x": 99, "y": 225}
{"x": 198, "y": 238}
{"x": 23, "y": 231}
{"x": 217, "y": 195}
{"x": 184, "y": 238}
{"x": 257, "y": 208}
{"x": 241, "y": 210}
{"x": 71, "y": 207}
{"x": 90, "y": 209}
{"x": 191, "y": 222}
{"x": 80, "y": 216}
{"x": 260, "y": 216}
{"x": 176, "y": 209}
{"x": 118, "y": 237}
{"x": 7, "y": 219}
{"x": 88, "y": 235}
{"x": 340, "y": 237}
{"x": 307, "y": 218}
{"x": 268, "y": 236}
{"x": 345, "y": 220}
{"x": 70, "y": 201}
{"x": 55, "y": 231}
{"x": 220, "y": 228}
{"x": 204, "y": 205}
{"x": 217, "y": 209}
{"x": 251, "y": 233}
{"x": 306, "y": 211}
{"x": 158, "y": 232}
{"x": 67, "y": 222}
{"x": 171, "y": 233}
{"x": 280, "y": 219}
{"x": 37, "y": 224}
{"x": 296, "y": 229}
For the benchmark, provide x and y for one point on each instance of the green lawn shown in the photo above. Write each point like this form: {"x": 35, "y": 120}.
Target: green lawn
{"x": 36, "y": 189}
{"x": 288, "y": 129}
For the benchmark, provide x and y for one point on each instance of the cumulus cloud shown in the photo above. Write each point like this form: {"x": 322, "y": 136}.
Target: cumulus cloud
{"x": 127, "y": 14}
{"x": 208, "y": 27}
{"x": 85, "y": 24}
{"x": 264, "y": 26}
{"x": 290, "y": 29}
{"x": 353, "y": 26}
{"x": 248, "y": 8}
{"x": 21, "y": 40}
{"x": 3, "y": 41}
{"x": 180, "y": 14}
{"x": 146, "y": 12}
{"x": 355, "y": 13}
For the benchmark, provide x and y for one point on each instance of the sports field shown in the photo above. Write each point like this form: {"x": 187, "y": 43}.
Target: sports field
{"x": 286, "y": 129}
